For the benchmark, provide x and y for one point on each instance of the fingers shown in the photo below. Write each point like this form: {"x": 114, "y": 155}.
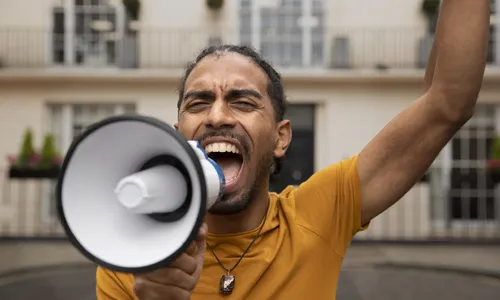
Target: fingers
{"x": 148, "y": 290}
{"x": 201, "y": 239}
{"x": 194, "y": 247}
{"x": 170, "y": 276}
{"x": 179, "y": 279}
{"x": 185, "y": 262}
{"x": 202, "y": 233}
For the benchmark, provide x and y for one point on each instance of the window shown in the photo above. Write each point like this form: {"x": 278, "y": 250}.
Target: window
{"x": 468, "y": 195}
{"x": 87, "y": 32}
{"x": 289, "y": 33}
{"x": 66, "y": 121}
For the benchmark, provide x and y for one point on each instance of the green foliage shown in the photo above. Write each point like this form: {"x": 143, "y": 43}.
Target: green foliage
{"x": 49, "y": 152}
{"x": 29, "y": 158}
{"x": 495, "y": 148}
{"x": 133, "y": 8}
{"x": 215, "y": 4}
{"x": 27, "y": 149}
{"x": 431, "y": 7}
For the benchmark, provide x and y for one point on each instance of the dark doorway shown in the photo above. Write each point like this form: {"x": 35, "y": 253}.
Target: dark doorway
{"x": 299, "y": 160}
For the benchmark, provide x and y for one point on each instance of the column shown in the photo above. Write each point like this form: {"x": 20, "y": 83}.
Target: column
{"x": 69, "y": 29}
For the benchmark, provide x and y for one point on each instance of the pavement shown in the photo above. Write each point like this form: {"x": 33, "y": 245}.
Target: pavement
{"x": 369, "y": 272}
{"x": 470, "y": 259}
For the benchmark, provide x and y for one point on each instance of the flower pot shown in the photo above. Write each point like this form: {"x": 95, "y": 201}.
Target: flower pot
{"x": 28, "y": 173}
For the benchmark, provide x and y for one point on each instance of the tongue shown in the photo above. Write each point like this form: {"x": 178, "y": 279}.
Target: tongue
{"x": 230, "y": 166}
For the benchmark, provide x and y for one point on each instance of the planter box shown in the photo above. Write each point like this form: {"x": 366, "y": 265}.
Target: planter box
{"x": 26, "y": 173}
{"x": 493, "y": 169}
{"x": 494, "y": 176}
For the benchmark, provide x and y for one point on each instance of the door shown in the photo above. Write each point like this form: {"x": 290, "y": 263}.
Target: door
{"x": 298, "y": 163}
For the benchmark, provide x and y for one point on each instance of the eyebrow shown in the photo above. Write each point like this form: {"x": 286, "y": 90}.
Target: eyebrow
{"x": 232, "y": 94}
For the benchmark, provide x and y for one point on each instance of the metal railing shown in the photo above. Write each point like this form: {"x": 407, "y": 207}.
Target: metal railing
{"x": 333, "y": 48}
{"x": 27, "y": 210}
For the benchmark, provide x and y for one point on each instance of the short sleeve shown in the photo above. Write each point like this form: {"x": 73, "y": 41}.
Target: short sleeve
{"x": 113, "y": 286}
{"x": 329, "y": 203}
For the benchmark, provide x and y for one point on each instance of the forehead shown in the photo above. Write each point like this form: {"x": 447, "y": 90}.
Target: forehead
{"x": 227, "y": 70}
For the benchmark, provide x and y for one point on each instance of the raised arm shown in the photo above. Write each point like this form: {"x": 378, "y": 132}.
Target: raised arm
{"x": 402, "y": 152}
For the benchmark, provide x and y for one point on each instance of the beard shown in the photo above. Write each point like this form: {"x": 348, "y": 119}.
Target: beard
{"x": 236, "y": 203}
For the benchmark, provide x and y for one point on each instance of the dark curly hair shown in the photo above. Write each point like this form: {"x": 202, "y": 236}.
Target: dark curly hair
{"x": 275, "y": 87}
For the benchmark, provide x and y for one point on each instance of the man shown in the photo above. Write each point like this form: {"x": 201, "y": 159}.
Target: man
{"x": 290, "y": 245}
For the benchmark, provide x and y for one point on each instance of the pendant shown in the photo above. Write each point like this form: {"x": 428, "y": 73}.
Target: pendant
{"x": 227, "y": 284}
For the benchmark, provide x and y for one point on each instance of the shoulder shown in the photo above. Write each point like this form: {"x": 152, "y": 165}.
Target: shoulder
{"x": 331, "y": 182}
{"x": 328, "y": 203}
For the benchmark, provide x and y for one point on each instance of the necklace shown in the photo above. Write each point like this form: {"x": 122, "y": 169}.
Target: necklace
{"x": 227, "y": 280}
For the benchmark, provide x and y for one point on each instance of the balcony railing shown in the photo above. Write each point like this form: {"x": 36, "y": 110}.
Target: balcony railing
{"x": 28, "y": 210}
{"x": 334, "y": 48}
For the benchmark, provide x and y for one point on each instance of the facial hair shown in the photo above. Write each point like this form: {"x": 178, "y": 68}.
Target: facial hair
{"x": 234, "y": 204}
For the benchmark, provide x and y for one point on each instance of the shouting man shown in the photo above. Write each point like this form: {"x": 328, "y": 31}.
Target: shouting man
{"x": 261, "y": 245}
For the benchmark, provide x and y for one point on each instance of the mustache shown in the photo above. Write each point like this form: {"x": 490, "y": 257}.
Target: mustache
{"x": 242, "y": 139}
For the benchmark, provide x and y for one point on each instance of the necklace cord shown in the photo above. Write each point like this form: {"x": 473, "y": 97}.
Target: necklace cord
{"x": 245, "y": 252}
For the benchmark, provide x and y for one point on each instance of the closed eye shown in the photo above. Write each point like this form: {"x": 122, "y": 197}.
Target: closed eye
{"x": 244, "y": 103}
{"x": 196, "y": 105}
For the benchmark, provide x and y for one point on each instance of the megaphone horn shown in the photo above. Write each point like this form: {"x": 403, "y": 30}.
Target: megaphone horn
{"x": 133, "y": 192}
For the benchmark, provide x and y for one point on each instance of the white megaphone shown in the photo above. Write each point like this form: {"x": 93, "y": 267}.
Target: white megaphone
{"x": 133, "y": 193}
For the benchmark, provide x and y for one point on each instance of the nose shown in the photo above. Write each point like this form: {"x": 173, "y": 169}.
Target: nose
{"x": 220, "y": 116}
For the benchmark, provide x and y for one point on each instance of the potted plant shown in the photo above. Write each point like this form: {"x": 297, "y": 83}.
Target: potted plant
{"x": 215, "y": 4}
{"x": 30, "y": 164}
{"x": 430, "y": 9}
{"x": 493, "y": 163}
{"x": 133, "y": 9}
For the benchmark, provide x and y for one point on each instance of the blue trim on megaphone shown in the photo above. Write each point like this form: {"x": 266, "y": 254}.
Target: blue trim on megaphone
{"x": 217, "y": 168}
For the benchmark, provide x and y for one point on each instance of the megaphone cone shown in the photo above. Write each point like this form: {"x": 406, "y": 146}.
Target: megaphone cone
{"x": 133, "y": 193}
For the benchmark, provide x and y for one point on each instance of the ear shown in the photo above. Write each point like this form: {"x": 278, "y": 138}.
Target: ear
{"x": 176, "y": 126}
{"x": 283, "y": 138}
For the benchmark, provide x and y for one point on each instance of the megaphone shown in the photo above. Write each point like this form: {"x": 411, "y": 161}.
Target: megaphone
{"x": 133, "y": 192}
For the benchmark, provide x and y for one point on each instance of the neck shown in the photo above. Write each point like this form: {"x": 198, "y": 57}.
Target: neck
{"x": 246, "y": 220}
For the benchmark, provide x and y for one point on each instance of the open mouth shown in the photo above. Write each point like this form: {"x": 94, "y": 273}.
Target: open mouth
{"x": 228, "y": 157}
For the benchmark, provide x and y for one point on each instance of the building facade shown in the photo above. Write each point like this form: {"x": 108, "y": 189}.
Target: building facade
{"x": 348, "y": 67}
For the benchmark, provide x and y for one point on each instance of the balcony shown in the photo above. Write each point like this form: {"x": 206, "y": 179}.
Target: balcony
{"x": 28, "y": 209}
{"x": 334, "y": 49}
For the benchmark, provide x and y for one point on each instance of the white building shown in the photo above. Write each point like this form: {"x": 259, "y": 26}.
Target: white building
{"x": 349, "y": 67}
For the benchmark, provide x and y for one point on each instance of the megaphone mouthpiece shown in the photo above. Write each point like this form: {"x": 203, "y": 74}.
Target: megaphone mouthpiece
{"x": 161, "y": 189}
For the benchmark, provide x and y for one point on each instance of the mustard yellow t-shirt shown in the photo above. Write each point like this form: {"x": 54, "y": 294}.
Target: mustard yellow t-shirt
{"x": 298, "y": 256}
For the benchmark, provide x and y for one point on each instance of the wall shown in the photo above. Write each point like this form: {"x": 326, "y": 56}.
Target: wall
{"x": 23, "y": 32}
{"x": 24, "y": 13}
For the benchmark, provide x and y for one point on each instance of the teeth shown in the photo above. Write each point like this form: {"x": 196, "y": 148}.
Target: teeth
{"x": 221, "y": 147}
